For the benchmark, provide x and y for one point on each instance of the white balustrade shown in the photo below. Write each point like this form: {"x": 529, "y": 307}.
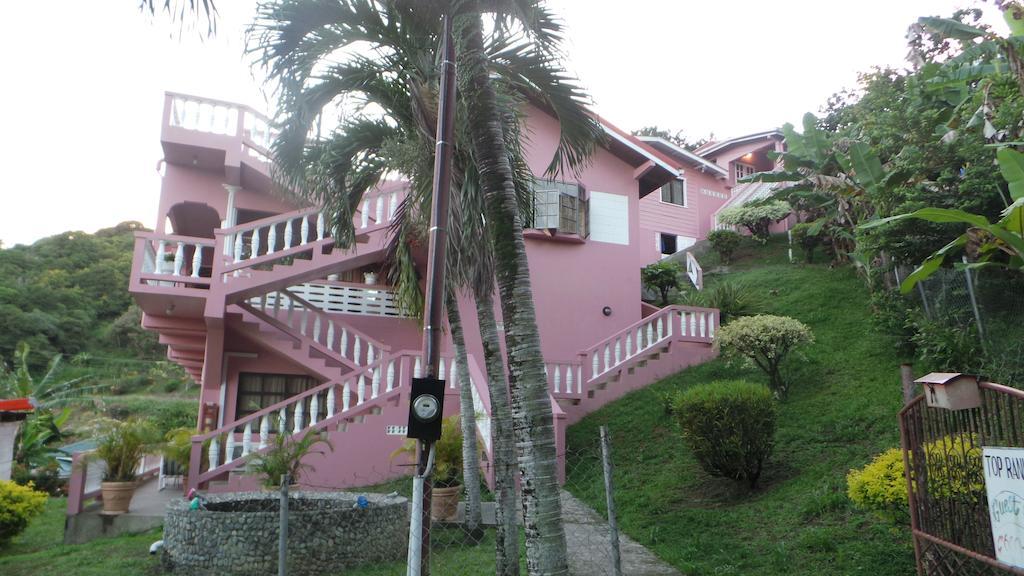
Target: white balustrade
{"x": 314, "y": 409}
{"x": 330, "y": 402}
{"x": 247, "y": 439}
{"x": 360, "y": 390}
{"x": 213, "y": 453}
{"x": 264, "y": 431}
{"x": 297, "y": 417}
{"x": 391, "y": 376}
{"x": 203, "y": 115}
{"x": 229, "y": 448}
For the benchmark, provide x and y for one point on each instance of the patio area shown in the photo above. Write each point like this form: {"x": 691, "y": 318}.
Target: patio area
{"x": 146, "y": 512}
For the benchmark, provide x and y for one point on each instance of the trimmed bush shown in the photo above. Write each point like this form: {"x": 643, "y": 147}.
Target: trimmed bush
{"x": 764, "y": 341}
{"x": 729, "y": 426}
{"x": 756, "y": 217}
{"x": 725, "y": 243}
{"x": 18, "y": 506}
{"x": 881, "y": 487}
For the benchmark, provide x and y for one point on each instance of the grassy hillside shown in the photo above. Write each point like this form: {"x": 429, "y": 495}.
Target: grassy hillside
{"x": 840, "y": 411}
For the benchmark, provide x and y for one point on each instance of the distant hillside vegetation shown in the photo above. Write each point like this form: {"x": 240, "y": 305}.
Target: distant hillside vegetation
{"x": 69, "y": 294}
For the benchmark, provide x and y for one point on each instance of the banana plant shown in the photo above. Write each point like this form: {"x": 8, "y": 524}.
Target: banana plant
{"x": 998, "y": 243}
{"x": 834, "y": 182}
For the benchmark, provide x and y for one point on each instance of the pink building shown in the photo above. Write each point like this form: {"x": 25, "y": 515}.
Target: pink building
{"x": 287, "y": 333}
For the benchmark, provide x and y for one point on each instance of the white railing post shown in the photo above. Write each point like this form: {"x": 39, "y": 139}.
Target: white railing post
{"x": 264, "y": 431}
{"x": 179, "y": 258}
{"x": 272, "y": 239}
{"x": 360, "y": 390}
{"x": 304, "y": 230}
{"x": 297, "y": 416}
{"x": 346, "y": 397}
{"x": 391, "y": 376}
{"x": 214, "y": 453}
{"x": 247, "y": 439}
{"x": 288, "y": 234}
{"x": 331, "y": 402}
{"x": 314, "y": 409}
{"x": 197, "y": 260}
{"x": 557, "y": 379}
{"x": 229, "y": 448}
{"x": 158, "y": 265}
{"x": 320, "y": 226}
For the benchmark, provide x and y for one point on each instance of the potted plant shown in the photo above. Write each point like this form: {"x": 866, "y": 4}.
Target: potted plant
{"x": 121, "y": 446}
{"x": 446, "y": 476}
{"x": 284, "y": 456}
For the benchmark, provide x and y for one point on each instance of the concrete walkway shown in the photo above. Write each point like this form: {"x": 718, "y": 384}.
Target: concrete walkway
{"x": 145, "y": 513}
{"x": 587, "y": 537}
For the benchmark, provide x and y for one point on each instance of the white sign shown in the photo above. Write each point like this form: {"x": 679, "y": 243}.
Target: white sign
{"x": 1004, "y": 484}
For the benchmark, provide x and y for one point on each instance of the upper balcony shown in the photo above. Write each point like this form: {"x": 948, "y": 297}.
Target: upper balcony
{"x": 219, "y": 136}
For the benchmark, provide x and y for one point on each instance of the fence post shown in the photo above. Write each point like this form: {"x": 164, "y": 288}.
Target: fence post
{"x": 613, "y": 525}
{"x": 974, "y": 301}
{"x": 282, "y": 541}
{"x": 907, "y": 379}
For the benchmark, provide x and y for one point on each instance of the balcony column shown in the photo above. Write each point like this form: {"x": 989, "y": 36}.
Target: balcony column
{"x": 230, "y": 216}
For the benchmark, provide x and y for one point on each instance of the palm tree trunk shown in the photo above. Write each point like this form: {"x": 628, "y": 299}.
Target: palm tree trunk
{"x": 502, "y": 443}
{"x": 531, "y": 408}
{"x": 470, "y": 458}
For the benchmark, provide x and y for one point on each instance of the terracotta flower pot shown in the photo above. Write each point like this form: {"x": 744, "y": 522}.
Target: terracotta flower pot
{"x": 117, "y": 496}
{"x": 444, "y": 503}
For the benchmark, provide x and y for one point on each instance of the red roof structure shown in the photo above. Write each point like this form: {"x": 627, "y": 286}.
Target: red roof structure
{"x": 17, "y": 405}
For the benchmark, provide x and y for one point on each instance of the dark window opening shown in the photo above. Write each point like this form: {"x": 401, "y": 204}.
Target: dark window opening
{"x": 669, "y": 243}
{"x": 258, "y": 391}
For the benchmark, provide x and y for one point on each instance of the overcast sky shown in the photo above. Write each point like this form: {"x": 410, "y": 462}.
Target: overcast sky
{"x": 83, "y": 83}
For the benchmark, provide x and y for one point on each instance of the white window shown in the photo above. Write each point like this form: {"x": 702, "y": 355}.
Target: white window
{"x": 674, "y": 192}
{"x": 559, "y": 206}
{"x": 744, "y": 170}
{"x": 609, "y": 218}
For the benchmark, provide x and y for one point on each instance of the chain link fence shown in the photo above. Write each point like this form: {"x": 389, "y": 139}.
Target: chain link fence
{"x": 988, "y": 306}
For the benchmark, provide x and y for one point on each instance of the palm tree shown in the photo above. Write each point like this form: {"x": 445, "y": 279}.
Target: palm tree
{"x": 296, "y": 38}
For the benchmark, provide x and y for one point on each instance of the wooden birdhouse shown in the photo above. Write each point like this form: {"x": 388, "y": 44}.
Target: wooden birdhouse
{"x": 951, "y": 390}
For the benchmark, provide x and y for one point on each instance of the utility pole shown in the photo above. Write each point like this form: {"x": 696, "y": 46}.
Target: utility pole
{"x": 434, "y": 309}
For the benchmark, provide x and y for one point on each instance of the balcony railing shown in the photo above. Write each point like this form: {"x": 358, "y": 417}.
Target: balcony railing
{"x": 168, "y": 260}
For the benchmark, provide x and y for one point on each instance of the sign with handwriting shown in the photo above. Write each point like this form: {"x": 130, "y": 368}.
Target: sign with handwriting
{"x": 1004, "y": 484}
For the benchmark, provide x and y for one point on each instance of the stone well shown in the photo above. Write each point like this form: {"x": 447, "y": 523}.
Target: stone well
{"x": 237, "y": 534}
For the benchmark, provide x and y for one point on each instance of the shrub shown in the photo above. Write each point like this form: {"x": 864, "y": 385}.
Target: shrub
{"x": 729, "y": 427}
{"x": 662, "y": 276}
{"x": 18, "y": 506}
{"x": 803, "y": 237}
{"x": 764, "y": 341}
{"x": 122, "y": 445}
{"x": 880, "y": 486}
{"x": 725, "y": 243}
{"x": 756, "y": 217}
{"x": 946, "y": 346}
{"x": 284, "y": 456}
{"x": 732, "y": 299}
{"x": 953, "y": 469}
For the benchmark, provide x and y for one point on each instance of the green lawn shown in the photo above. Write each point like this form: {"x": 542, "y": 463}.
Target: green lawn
{"x": 840, "y": 412}
{"x": 40, "y": 550}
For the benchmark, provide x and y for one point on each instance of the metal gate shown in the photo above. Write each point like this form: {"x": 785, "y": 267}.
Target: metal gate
{"x": 949, "y": 513}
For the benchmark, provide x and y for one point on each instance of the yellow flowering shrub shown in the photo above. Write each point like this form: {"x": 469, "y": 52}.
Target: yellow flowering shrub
{"x": 954, "y": 471}
{"x": 18, "y": 505}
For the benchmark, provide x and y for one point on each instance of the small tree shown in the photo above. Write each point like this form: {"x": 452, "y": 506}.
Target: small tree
{"x": 662, "y": 276}
{"x": 729, "y": 427}
{"x": 756, "y": 217}
{"x": 764, "y": 341}
{"x": 725, "y": 242}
